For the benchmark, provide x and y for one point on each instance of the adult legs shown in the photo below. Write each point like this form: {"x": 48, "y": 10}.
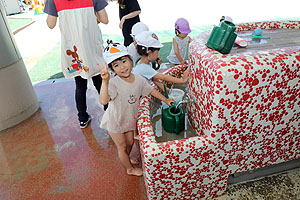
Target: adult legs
{"x": 80, "y": 98}
{"x": 124, "y": 142}
{"x": 126, "y": 34}
{"x": 97, "y": 81}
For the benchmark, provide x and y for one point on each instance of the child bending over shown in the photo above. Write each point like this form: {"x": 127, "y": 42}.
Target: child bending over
{"x": 148, "y": 47}
{"x": 137, "y": 29}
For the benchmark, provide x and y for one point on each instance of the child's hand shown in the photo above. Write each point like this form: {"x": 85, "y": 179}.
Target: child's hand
{"x": 184, "y": 62}
{"x": 168, "y": 90}
{"x": 169, "y": 101}
{"x": 159, "y": 60}
{"x": 186, "y": 75}
{"x": 104, "y": 72}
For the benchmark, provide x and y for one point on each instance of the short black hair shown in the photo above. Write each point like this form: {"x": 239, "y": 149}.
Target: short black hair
{"x": 177, "y": 32}
{"x": 142, "y": 50}
{"x": 110, "y": 64}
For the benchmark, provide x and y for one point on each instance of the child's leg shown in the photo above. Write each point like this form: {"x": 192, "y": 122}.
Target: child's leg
{"x": 129, "y": 143}
{"x": 121, "y": 143}
{"x": 136, "y": 135}
{"x": 137, "y": 144}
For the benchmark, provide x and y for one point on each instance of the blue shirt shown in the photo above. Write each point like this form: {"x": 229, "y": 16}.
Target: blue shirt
{"x": 145, "y": 70}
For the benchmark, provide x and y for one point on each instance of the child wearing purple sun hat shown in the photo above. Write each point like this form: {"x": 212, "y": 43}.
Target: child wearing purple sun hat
{"x": 180, "y": 42}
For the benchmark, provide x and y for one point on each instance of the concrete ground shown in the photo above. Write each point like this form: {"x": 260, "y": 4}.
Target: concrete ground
{"x": 48, "y": 156}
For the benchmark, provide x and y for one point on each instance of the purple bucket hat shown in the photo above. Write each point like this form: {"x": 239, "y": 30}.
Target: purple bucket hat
{"x": 182, "y": 25}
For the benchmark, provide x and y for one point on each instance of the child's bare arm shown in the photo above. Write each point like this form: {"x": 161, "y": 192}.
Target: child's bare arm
{"x": 104, "y": 97}
{"x": 158, "y": 95}
{"x": 169, "y": 78}
{"x": 51, "y": 21}
{"x": 159, "y": 84}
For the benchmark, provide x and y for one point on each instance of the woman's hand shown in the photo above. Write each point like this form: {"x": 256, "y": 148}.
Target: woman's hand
{"x": 129, "y": 16}
{"x": 122, "y": 22}
{"x": 104, "y": 72}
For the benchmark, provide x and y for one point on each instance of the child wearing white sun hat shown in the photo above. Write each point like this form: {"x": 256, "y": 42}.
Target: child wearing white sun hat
{"x": 136, "y": 29}
{"x": 123, "y": 92}
{"x": 148, "y": 46}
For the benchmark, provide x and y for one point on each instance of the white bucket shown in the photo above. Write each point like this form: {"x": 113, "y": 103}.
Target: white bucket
{"x": 176, "y": 94}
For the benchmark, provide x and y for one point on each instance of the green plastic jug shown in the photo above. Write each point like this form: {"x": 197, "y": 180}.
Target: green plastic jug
{"x": 222, "y": 37}
{"x": 173, "y": 119}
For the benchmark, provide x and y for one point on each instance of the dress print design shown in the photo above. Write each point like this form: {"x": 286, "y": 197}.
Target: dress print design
{"x": 132, "y": 99}
{"x": 77, "y": 64}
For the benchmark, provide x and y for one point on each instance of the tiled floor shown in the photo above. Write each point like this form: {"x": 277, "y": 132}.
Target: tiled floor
{"x": 49, "y": 157}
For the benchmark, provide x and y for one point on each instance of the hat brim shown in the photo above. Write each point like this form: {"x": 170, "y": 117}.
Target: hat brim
{"x": 160, "y": 46}
{"x": 110, "y": 59}
{"x": 155, "y": 46}
{"x": 186, "y": 32}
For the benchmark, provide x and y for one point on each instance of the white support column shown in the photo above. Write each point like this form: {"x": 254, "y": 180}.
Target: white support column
{"x": 18, "y": 100}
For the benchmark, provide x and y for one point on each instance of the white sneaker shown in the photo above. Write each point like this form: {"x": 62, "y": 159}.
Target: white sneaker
{"x": 86, "y": 123}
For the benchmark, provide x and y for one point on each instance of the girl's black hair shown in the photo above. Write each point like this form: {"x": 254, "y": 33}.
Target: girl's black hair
{"x": 110, "y": 64}
{"x": 142, "y": 50}
{"x": 121, "y": 2}
{"x": 177, "y": 32}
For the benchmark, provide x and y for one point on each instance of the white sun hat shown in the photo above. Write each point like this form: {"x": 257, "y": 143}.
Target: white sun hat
{"x": 138, "y": 28}
{"x": 148, "y": 39}
{"x": 114, "y": 51}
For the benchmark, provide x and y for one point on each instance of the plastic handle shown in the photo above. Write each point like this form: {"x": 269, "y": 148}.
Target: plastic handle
{"x": 177, "y": 124}
{"x": 155, "y": 64}
{"x": 262, "y": 37}
{"x": 166, "y": 91}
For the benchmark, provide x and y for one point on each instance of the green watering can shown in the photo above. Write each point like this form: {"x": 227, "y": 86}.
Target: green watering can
{"x": 172, "y": 117}
{"x": 222, "y": 38}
